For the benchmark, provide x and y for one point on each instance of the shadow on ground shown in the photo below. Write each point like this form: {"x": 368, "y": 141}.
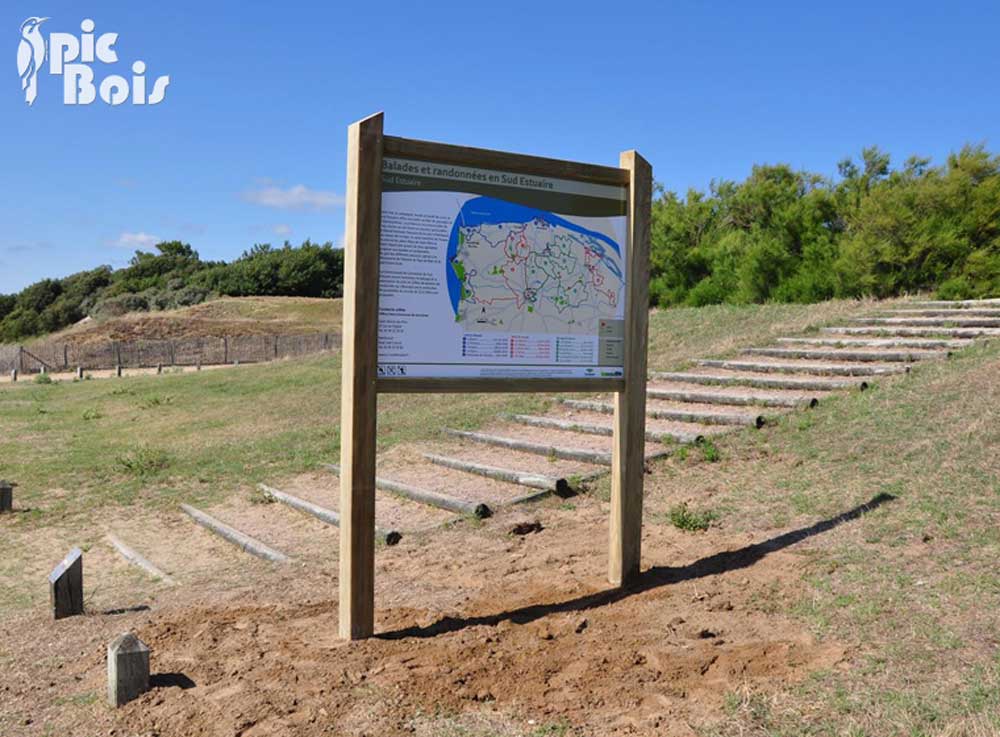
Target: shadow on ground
{"x": 655, "y": 577}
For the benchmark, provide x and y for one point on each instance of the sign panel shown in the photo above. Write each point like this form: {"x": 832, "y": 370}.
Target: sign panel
{"x": 494, "y": 274}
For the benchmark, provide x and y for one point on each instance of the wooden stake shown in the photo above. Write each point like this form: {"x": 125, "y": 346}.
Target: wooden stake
{"x": 128, "y": 669}
{"x": 66, "y": 586}
{"x": 358, "y": 394}
{"x": 628, "y": 448}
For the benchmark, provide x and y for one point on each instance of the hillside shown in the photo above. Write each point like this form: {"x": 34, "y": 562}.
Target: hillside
{"x": 227, "y": 316}
{"x": 832, "y": 573}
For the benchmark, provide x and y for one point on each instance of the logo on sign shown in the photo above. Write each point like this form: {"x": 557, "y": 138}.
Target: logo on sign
{"x": 74, "y": 58}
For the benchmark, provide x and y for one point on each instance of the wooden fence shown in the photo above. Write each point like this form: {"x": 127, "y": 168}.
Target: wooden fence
{"x": 150, "y": 353}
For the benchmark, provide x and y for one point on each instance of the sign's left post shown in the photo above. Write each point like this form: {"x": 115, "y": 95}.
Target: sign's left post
{"x": 358, "y": 399}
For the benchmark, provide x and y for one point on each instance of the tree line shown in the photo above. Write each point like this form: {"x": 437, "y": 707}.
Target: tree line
{"x": 784, "y": 235}
{"x": 171, "y": 276}
{"x": 781, "y": 235}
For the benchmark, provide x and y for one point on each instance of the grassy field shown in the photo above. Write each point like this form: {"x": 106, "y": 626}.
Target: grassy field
{"x": 911, "y": 587}
{"x": 914, "y": 584}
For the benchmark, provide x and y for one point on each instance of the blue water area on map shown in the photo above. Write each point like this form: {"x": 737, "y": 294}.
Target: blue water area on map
{"x": 491, "y": 211}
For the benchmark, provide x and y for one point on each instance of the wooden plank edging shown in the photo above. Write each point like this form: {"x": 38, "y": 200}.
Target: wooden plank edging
{"x": 426, "y": 496}
{"x": 137, "y": 559}
{"x": 330, "y": 517}
{"x": 241, "y": 540}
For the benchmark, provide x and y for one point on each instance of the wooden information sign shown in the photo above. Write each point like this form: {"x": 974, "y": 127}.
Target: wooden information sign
{"x": 469, "y": 270}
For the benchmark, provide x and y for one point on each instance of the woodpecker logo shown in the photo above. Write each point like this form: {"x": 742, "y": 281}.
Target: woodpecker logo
{"x": 73, "y": 58}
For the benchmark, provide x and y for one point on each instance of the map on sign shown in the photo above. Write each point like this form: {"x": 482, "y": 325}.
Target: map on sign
{"x": 513, "y": 268}
{"x": 494, "y": 274}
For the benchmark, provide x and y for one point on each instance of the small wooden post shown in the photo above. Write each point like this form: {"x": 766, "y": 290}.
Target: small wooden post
{"x": 6, "y": 496}
{"x": 628, "y": 448}
{"x": 358, "y": 393}
{"x": 128, "y": 669}
{"x": 66, "y": 586}
{"x": 13, "y": 375}
{"x": 79, "y": 373}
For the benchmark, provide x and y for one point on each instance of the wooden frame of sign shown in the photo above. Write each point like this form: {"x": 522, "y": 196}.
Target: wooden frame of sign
{"x": 361, "y": 384}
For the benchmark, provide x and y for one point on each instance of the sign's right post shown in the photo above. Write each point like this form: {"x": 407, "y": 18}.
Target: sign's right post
{"x": 628, "y": 451}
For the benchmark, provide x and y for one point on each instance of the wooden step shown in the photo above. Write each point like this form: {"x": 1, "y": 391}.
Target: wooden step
{"x": 704, "y": 418}
{"x": 761, "y": 382}
{"x": 845, "y": 355}
{"x": 957, "y": 321}
{"x": 542, "y": 483}
{"x": 389, "y": 537}
{"x": 911, "y": 331}
{"x": 425, "y": 496}
{"x": 821, "y": 369}
{"x": 967, "y": 312}
{"x": 570, "y": 454}
{"x": 735, "y": 400}
{"x": 844, "y": 340}
{"x": 590, "y": 428}
{"x": 957, "y": 304}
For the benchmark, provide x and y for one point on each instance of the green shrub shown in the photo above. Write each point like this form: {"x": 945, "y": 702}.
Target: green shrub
{"x": 142, "y": 461}
{"x": 683, "y": 518}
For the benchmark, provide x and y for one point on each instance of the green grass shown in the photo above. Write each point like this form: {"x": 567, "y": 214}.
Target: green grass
{"x": 690, "y": 520}
{"x": 198, "y": 437}
{"x": 912, "y": 586}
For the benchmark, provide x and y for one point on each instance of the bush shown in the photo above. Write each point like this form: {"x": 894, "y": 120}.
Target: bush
{"x": 173, "y": 276}
{"x": 792, "y": 236}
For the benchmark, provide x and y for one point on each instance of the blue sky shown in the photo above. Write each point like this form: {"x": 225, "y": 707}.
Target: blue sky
{"x": 249, "y": 143}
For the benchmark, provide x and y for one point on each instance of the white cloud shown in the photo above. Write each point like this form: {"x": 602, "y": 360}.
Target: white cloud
{"x": 282, "y": 229}
{"x": 298, "y": 197}
{"x": 136, "y": 240}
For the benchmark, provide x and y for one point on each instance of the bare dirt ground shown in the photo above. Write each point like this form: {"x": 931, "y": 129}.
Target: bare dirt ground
{"x": 475, "y": 627}
{"x": 232, "y": 316}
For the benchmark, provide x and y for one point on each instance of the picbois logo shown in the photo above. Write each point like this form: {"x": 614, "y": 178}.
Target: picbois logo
{"x": 73, "y": 58}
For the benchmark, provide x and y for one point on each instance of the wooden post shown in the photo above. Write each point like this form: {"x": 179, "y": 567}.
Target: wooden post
{"x": 358, "y": 394}
{"x": 66, "y": 586}
{"x": 13, "y": 375}
{"x": 128, "y": 669}
{"x": 628, "y": 448}
{"x": 79, "y": 373}
{"x": 6, "y": 497}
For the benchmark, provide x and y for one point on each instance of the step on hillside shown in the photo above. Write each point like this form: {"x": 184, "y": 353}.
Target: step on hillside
{"x": 854, "y": 356}
{"x": 430, "y": 497}
{"x": 967, "y": 312}
{"x": 564, "y": 451}
{"x": 739, "y": 419}
{"x": 956, "y": 304}
{"x": 889, "y": 330}
{"x": 735, "y": 399}
{"x": 605, "y": 430}
{"x": 757, "y": 381}
{"x": 408, "y": 465}
{"x": 543, "y": 484}
{"x": 805, "y": 367}
{"x": 230, "y": 534}
{"x": 327, "y": 516}
{"x": 393, "y": 513}
{"x": 848, "y": 341}
{"x": 958, "y": 321}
